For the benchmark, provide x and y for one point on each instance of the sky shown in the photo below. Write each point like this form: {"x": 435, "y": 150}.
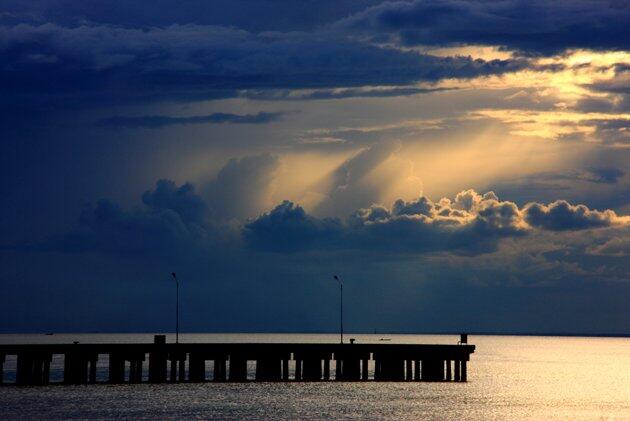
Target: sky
{"x": 462, "y": 165}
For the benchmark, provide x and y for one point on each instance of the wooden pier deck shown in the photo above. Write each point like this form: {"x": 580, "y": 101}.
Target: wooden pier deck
{"x": 186, "y": 362}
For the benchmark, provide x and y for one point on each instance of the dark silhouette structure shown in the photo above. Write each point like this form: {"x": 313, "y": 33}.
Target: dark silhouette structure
{"x": 274, "y": 362}
{"x": 176, "y": 307}
{"x": 341, "y": 306}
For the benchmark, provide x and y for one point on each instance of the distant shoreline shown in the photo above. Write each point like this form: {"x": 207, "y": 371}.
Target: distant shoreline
{"x": 470, "y": 333}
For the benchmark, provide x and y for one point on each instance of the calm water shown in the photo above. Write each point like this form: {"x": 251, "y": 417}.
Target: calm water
{"x": 510, "y": 377}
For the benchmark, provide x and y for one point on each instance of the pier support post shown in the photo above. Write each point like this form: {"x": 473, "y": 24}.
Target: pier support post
{"x": 449, "y": 375}
{"x": 416, "y": 370}
{"x": 116, "y": 369}
{"x": 464, "y": 373}
{"x": 312, "y": 369}
{"x": 298, "y": 369}
{"x": 2, "y": 359}
{"x": 92, "y": 375}
{"x": 220, "y": 374}
{"x": 378, "y": 374}
{"x": 285, "y": 369}
{"x": 182, "y": 368}
{"x": 327, "y": 369}
{"x": 75, "y": 368}
{"x": 392, "y": 369}
{"x": 348, "y": 368}
{"x": 196, "y": 368}
{"x": 364, "y": 369}
{"x": 158, "y": 360}
{"x": 433, "y": 370}
{"x": 178, "y": 366}
{"x": 24, "y": 369}
{"x": 173, "y": 371}
{"x": 132, "y": 371}
{"x": 268, "y": 369}
{"x": 457, "y": 372}
{"x": 238, "y": 369}
{"x": 137, "y": 371}
{"x": 408, "y": 370}
{"x": 135, "y": 366}
{"x": 32, "y": 368}
{"x": 38, "y": 371}
{"x": 46, "y": 370}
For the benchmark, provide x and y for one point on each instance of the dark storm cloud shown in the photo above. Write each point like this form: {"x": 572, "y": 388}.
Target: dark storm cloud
{"x": 153, "y": 231}
{"x": 288, "y": 228}
{"x": 157, "y": 121}
{"x": 173, "y": 220}
{"x": 537, "y": 26}
{"x": 46, "y": 64}
{"x": 183, "y": 200}
{"x": 257, "y": 15}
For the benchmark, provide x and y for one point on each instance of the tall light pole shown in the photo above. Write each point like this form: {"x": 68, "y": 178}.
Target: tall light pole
{"x": 341, "y": 307}
{"x": 176, "y": 307}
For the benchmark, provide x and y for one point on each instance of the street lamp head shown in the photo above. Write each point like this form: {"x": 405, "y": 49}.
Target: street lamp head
{"x": 173, "y": 274}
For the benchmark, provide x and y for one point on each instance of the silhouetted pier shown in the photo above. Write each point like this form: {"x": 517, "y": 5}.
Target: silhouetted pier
{"x": 187, "y": 362}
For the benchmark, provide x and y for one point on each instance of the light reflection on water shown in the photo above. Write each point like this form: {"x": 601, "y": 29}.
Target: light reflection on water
{"x": 509, "y": 377}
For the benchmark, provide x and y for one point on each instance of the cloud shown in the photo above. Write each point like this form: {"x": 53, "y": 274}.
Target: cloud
{"x": 470, "y": 224}
{"x": 183, "y": 200}
{"x": 561, "y": 215}
{"x": 255, "y": 16}
{"x": 605, "y": 175}
{"x": 616, "y": 246}
{"x": 157, "y": 121}
{"x": 288, "y": 228}
{"x": 537, "y": 26}
{"x": 339, "y": 93}
{"x": 175, "y": 222}
{"x": 154, "y": 231}
{"x": 105, "y": 64}
{"x": 175, "y": 219}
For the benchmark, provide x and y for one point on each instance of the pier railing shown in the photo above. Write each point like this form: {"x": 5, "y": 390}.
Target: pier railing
{"x": 189, "y": 362}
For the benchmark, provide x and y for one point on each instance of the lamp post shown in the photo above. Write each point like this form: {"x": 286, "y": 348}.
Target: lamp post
{"x": 341, "y": 307}
{"x": 176, "y": 307}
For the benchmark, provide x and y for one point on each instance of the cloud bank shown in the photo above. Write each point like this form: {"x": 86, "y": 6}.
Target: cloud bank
{"x": 105, "y": 64}
{"x": 176, "y": 219}
{"x": 470, "y": 223}
{"x": 536, "y": 26}
{"x": 157, "y": 121}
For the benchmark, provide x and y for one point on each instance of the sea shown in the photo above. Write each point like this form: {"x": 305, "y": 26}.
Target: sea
{"x": 509, "y": 377}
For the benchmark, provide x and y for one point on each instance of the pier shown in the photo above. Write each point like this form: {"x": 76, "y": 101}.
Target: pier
{"x": 235, "y": 362}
